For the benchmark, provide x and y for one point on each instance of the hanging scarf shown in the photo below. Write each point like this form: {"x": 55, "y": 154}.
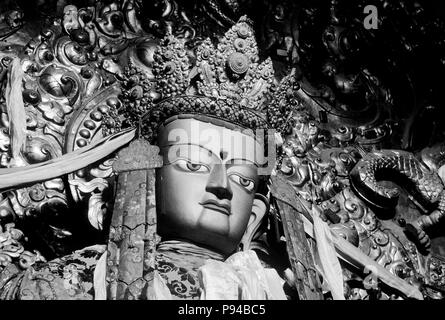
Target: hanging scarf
{"x": 332, "y": 271}
{"x": 15, "y": 107}
{"x": 132, "y": 241}
{"x": 12, "y": 178}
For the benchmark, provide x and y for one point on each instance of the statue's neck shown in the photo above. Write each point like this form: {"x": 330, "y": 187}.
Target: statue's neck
{"x": 186, "y": 250}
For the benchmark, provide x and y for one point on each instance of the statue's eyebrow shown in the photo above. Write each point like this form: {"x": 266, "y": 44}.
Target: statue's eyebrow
{"x": 231, "y": 161}
{"x": 210, "y": 152}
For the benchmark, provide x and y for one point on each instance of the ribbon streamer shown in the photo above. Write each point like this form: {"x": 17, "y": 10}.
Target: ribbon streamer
{"x": 15, "y": 107}
{"x": 330, "y": 265}
{"x": 12, "y": 178}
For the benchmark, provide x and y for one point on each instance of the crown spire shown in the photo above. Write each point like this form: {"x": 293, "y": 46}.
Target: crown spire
{"x": 232, "y": 69}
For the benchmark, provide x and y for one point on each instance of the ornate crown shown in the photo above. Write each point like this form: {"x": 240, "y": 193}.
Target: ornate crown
{"x": 226, "y": 82}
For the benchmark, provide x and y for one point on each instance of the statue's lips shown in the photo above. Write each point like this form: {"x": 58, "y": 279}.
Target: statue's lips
{"x": 219, "y": 206}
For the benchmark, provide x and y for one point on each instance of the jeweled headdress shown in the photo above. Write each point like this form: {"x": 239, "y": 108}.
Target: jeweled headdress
{"x": 226, "y": 81}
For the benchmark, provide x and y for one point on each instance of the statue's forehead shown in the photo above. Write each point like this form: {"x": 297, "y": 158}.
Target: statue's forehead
{"x": 221, "y": 141}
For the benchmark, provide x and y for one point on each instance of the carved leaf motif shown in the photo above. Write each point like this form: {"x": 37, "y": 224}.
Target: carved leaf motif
{"x": 12, "y": 250}
{"x": 111, "y": 22}
{"x": 70, "y": 18}
{"x": 96, "y": 210}
{"x": 98, "y": 184}
{"x": 104, "y": 170}
{"x": 96, "y": 203}
{"x": 52, "y": 111}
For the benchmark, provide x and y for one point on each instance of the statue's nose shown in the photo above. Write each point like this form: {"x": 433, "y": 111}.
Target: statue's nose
{"x": 218, "y": 183}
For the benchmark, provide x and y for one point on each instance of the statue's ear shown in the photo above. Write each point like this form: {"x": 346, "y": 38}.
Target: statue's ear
{"x": 259, "y": 210}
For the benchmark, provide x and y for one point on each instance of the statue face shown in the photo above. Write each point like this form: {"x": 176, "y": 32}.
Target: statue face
{"x": 207, "y": 185}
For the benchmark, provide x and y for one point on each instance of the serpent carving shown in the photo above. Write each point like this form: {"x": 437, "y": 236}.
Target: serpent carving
{"x": 401, "y": 166}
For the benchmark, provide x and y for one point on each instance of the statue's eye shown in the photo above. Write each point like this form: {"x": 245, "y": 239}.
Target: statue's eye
{"x": 194, "y": 166}
{"x": 247, "y": 184}
{"x": 191, "y": 166}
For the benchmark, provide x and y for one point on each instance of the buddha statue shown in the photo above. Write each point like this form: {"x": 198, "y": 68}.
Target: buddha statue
{"x": 183, "y": 220}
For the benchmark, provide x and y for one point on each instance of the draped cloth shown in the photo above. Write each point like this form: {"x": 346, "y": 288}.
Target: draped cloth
{"x": 66, "y": 278}
{"x": 240, "y": 277}
{"x": 132, "y": 242}
{"x": 178, "y": 264}
{"x": 332, "y": 271}
{"x": 190, "y": 272}
{"x": 300, "y": 252}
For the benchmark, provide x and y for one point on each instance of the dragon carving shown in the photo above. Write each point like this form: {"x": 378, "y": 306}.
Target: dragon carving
{"x": 422, "y": 182}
